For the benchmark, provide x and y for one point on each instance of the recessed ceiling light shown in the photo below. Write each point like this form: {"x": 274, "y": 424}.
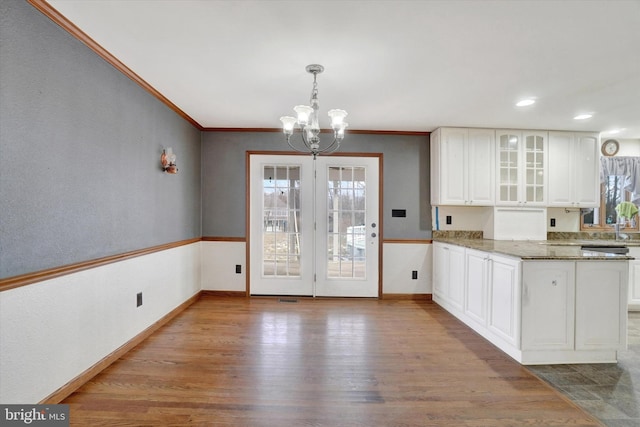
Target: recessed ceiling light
{"x": 583, "y": 116}
{"x": 614, "y": 131}
{"x": 525, "y": 102}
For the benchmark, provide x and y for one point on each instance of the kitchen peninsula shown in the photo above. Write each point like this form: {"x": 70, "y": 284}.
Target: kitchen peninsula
{"x": 541, "y": 302}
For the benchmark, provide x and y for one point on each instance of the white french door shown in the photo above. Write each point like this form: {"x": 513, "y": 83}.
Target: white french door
{"x": 347, "y": 226}
{"x": 314, "y": 226}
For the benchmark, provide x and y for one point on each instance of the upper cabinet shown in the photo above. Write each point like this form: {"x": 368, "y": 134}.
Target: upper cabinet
{"x": 574, "y": 169}
{"x": 462, "y": 167}
{"x": 487, "y": 167}
{"x": 522, "y": 162}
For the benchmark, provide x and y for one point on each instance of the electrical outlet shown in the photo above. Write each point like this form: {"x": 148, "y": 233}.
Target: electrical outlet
{"x": 414, "y": 275}
{"x": 139, "y": 299}
{"x": 448, "y": 219}
{"x": 553, "y": 222}
{"x": 238, "y": 269}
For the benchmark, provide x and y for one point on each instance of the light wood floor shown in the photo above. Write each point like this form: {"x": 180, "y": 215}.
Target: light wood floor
{"x": 347, "y": 362}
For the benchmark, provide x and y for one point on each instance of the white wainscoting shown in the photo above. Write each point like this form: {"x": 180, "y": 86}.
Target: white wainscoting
{"x": 53, "y": 331}
{"x": 399, "y": 260}
{"x": 219, "y": 260}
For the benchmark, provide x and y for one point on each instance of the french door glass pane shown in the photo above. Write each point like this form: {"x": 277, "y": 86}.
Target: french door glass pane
{"x": 281, "y": 221}
{"x": 346, "y": 249}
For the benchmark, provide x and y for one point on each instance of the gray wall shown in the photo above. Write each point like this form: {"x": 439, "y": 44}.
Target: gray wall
{"x": 80, "y": 145}
{"x": 79, "y": 159}
{"x": 405, "y": 184}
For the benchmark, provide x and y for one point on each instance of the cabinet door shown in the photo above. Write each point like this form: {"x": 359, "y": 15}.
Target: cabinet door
{"x": 508, "y": 160}
{"x": 634, "y": 279}
{"x": 634, "y": 285}
{"x": 522, "y": 164}
{"x": 456, "y": 276}
{"x": 481, "y": 167}
{"x": 534, "y": 146}
{"x": 601, "y": 288}
{"x": 504, "y": 299}
{"x": 476, "y": 281}
{"x": 560, "y": 169}
{"x": 453, "y": 168}
{"x": 548, "y": 292}
{"x": 586, "y": 175}
{"x": 574, "y": 170}
{"x": 440, "y": 269}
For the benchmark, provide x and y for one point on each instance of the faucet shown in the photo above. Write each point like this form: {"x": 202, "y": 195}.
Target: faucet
{"x": 619, "y": 236}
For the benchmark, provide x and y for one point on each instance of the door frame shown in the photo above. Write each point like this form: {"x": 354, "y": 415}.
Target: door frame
{"x": 247, "y": 169}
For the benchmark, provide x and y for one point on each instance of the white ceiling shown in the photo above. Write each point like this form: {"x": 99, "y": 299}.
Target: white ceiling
{"x": 393, "y": 65}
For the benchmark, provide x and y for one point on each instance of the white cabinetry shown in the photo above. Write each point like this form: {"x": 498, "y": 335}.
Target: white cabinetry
{"x": 573, "y": 311}
{"x": 548, "y": 305}
{"x": 522, "y": 163}
{"x": 504, "y": 299}
{"x": 486, "y": 167}
{"x": 476, "y": 285}
{"x": 462, "y": 167}
{"x": 449, "y": 274}
{"x": 489, "y": 298}
{"x": 537, "y": 312}
{"x": 574, "y": 169}
{"x": 634, "y": 279}
{"x": 601, "y": 305}
{"x": 634, "y": 285}
{"x": 456, "y": 276}
{"x": 440, "y": 269}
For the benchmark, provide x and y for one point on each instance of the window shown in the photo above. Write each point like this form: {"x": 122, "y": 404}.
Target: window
{"x": 604, "y": 217}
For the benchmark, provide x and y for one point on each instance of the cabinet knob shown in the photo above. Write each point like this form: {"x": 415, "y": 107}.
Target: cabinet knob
{"x": 554, "y": 283}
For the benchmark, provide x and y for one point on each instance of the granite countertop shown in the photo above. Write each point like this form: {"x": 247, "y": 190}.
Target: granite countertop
{"x": 569, "y": 249}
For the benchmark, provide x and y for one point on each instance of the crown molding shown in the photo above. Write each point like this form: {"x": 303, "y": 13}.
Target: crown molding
{"x": 52, "y": 13}
{"x": 350, "y": 131}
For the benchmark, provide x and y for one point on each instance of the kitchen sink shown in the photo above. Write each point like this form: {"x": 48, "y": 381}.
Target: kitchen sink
{"x": 604, "y": 248}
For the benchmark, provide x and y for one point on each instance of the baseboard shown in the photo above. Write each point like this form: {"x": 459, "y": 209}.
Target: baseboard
{"x": 241, "y": 294}
{"x": 73, "y": 385}
{"x": 411, "y": 297}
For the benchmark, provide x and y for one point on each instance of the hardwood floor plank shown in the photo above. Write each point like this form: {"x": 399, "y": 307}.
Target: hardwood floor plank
{"x": 344, "y": 362}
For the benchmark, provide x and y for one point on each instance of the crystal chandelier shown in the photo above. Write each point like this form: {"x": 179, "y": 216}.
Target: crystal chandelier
{"x": 307, "y": 122}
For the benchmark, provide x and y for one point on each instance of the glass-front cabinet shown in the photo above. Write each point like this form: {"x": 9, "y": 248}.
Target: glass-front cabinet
{"x": 522, "y": 160}
{"x": 535, "y": 153}
{"x": 508, "y": 166}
